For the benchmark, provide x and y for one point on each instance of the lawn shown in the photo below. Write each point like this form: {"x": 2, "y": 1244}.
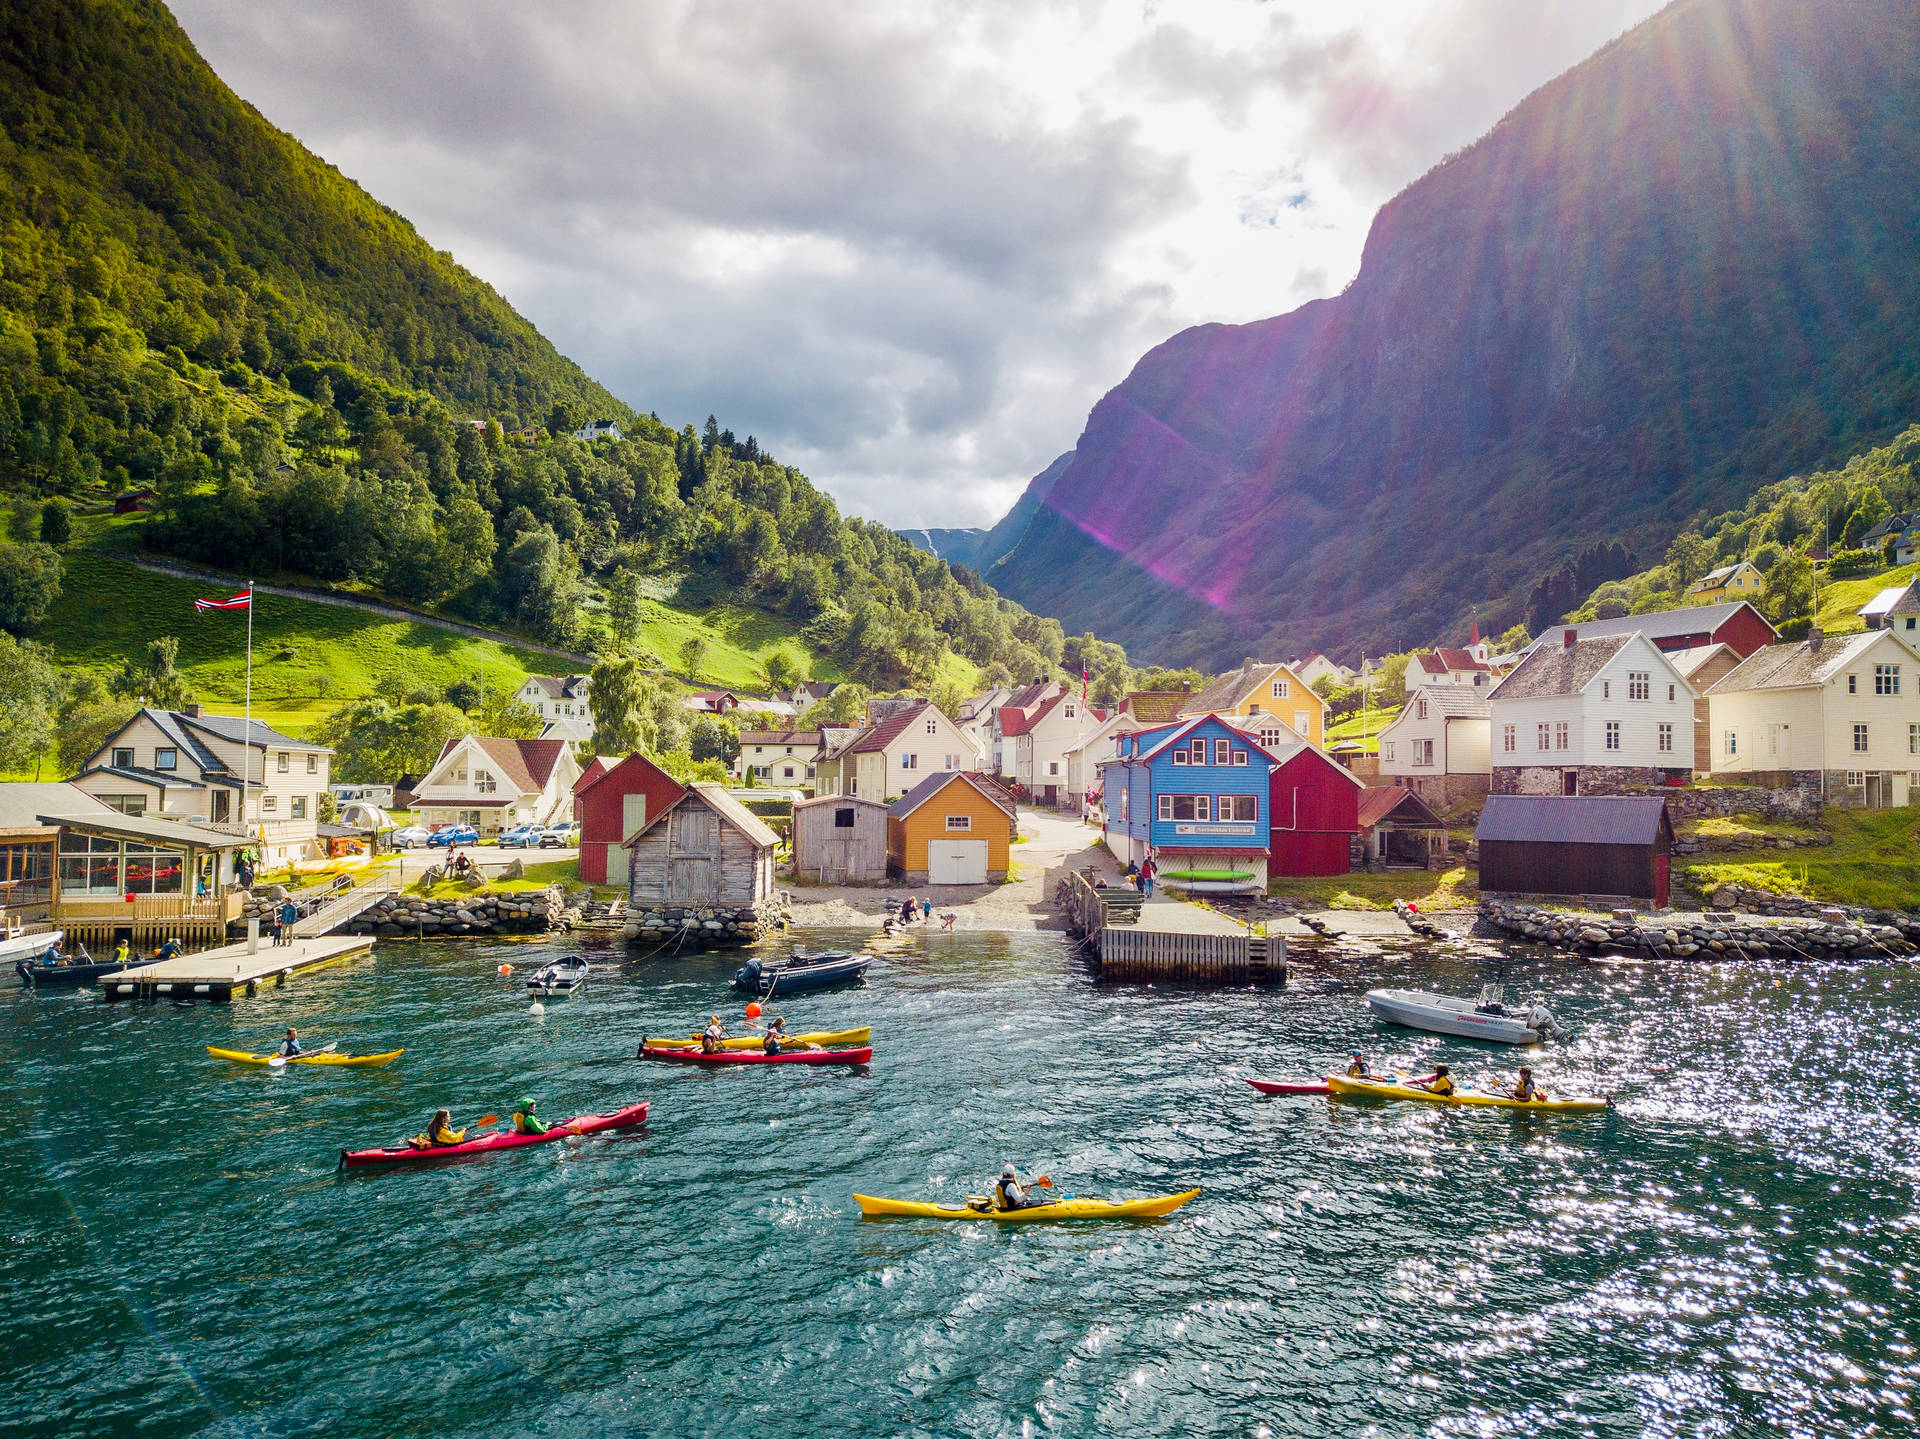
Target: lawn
{"x": 739, "y": 641}
{"x": 538, "y": 875}
{"x": 1874, "y": 860}
{"x": 1365, "y": 726}
{"x": 1840, "y": 600}
{"x": 1457, "y": 888}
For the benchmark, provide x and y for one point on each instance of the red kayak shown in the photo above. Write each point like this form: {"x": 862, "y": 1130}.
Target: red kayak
{"x": 1274, "y": 1086}
{"x": 500, "y": 1139}
{"x": 749, "y": 1056}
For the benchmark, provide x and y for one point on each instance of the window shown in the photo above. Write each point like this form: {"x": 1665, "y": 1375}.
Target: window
{"x": 123, "y": 758}
{"x": 1420, "y": 707}
{"x": 1507, "y": 739}
{"x": 1302, "y": 722}
{"x": 1239, "y": 809}
{"x": 1859, "y": 739}
{"x": 153, "y": 871}
{"x": 1886, "y": 679}
{"x": 1125, "y": 804}
{"x": 125, "y": 803}
{"x": 1069, "y": 711}
{"x": 933, "y": 726}
{"x": 1280, "y": 689}
{"x": 167, "y": 759}
{"x": 313, "y": 764}
{"x": 270, "y": 804}
{"x": 1240, "y": 756}
{"x": 1853, "y": 684}
{"x": 1166, "y": 806}
{"x": 1270, "y": 737}
{"x": 1666, "y": 739}
{"x": 958, "y": 823}
{"x": 1733, "y": 742}
{"x": 1423, "y": 751}
{"x": 1199, "y": 751}
{"x": 1856, "y": 779}
{"x": 1545, "y": 736}
{"x": 283, "y": 761}
{"x": 299, "y": 806}
{"x": 1387, "y": 748}
{"x": 1639, "y": 685}
{"x": 1222, "y": 752}
{"x": 89, "y": 865}
{"x": 909, "y": 761}
{"x": 1560, "y": 737}
{"x": 1613, "y": 734}
{"x": 1186, "y": 806}
{"x": 787, "y": 773}
{"x": 1913, "y": 739}
{"x": 1053, "y": 766}
{"x": 1606, "y": 689}
{"x": 1671, "y": 691}
{"x": 483, "y": 781}
{"x": 1180, "y": 755}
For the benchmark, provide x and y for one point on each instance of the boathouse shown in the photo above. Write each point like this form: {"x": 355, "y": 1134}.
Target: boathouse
{"x": 1575, "y": 845}
{"x": 705, "y": 850}
{"x": 613, "y": 803}
{"x": 1398, "y": 827}
{"x": 1314, "y": 804}
{"x": 1195, "y": 795}
{"x": 840, "y": 839}
{"x": 953, "y": 828}
{"x": 144, "y": 878}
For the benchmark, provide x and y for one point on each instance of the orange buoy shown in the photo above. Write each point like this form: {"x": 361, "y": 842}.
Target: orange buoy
{"x": 753, "y": 1011}
{"x": 506, "y": 969}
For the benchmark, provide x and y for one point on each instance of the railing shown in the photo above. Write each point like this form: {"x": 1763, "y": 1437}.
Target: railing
{"x": 220, "y": 908}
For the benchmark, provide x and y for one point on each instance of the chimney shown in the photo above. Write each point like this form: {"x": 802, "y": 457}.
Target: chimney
{"x": 191, "y": 711}
{"x": 1569, "y": 639}
{"x": 1186, "y": 687}
{"x": 1814, "y": 635}
{"x": 1039, "y": 679}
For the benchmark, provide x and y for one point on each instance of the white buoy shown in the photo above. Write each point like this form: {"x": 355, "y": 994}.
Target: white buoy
{"x": 536, "y": 1008}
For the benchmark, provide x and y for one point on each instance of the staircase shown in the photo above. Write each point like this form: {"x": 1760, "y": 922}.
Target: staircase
{"x": 350, "y": 905}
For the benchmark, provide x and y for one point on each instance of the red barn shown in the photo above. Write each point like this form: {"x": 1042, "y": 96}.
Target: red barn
{"x": 614, "y": 803}
{"x": 1315, "y": 812}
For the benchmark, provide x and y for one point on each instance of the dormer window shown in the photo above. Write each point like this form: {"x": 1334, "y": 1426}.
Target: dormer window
{"x": 483, "y": 781}
{"x": 1069, "y": 711}
{"x": 123, "y": 759}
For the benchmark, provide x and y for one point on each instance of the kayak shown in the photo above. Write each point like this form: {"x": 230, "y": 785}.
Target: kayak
{"x": 826, "y": 1038}
{"x": 633, "y": 1114}
{"x": 737, "y": 1056}
{"x": 240, "y": 1056}
{"x": 1381, "y": 1089}
{"x": 1275, "y": 1086}
{"x": 1038, "y": 1213}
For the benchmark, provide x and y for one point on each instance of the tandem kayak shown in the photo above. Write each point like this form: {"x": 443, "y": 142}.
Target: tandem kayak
{"x": 827, "y": 1039}
{"x": 633, "y": 1114}
{"x": 240, "y": 1056}
{"x": 1061, "y": 1209}
{"x": 1383, "y": 1089}
{"x": 742, "y": 1056}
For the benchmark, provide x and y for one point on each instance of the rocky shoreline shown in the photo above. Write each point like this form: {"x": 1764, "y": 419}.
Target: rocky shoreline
{"x": 1719, "y": 934}
{"x": 405, "y": 916}
{"x": 707, "y": 926}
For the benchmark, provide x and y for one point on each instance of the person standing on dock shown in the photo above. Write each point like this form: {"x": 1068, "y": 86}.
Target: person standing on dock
{"x": 289, "y": 917}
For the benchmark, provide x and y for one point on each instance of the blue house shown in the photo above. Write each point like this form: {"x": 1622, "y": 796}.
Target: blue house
{"x": 1195, "y": 796}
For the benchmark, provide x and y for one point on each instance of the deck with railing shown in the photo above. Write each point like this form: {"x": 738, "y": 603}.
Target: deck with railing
{"x": 150, "y": 917}
{"x": 1166, "y": 940}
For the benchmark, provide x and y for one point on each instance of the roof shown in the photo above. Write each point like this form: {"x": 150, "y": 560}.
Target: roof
{"x": 600, "y": 768}
{"x": 1798, "y": 664}
{"x": 1657, "y": 625}
{"x": 1892, "y": 524}
{"x": 1452, "y": 701}
{"x": 815, "y": 689}
{"x": 934, "y": 783}
{"x": 736, "y": 814}
{"x": 156, "y": 777}
{"x": 21, "y": 805}
{"x": 234, "y": 728}
{"x": 1885, "y": 602}
{"x": 801, "y": 737}
{"x": 1156, "y": 706}
{"x": 591, "y": 771}
{"x": 1571, "y": 819}
{"x": 163, "y": 829}
{"x": 1113, "y": 724}
{"x": 1443, "y": 660}
{"x": 1018, "y": 720}
{"x": 528, "y": 763}
{"x": 876, "y": 737}
{"x": 1379, "y": 801}
{"x": 1230, "y": 689}
{"x": 841, "y": 799}
{"x": 1031, "y": 694}
{"x": 1690, "y": 660}
{"x": 1560, "y": 669}
{"x": 561, "y": 687}
{"x": 1713, "y": 579}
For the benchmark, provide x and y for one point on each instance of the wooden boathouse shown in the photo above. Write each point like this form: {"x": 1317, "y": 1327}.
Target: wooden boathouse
{"x": 1166, "y": 941}
{"x": 1575, "y": 845}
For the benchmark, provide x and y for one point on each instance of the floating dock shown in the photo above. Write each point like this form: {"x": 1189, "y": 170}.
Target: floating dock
{"x": 1165, "y": 940}
{"x": 218, "y": 975}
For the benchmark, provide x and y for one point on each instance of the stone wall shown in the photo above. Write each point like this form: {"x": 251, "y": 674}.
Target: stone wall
{"x": 409, "y": 916}
{"x": 706, "y": 927}
{"x": 1797, "y": 801}
{"x": 1600, "y": 779}
{"x": 1707, "y": 938}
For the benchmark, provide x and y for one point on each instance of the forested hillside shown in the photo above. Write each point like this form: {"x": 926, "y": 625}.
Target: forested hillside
{"x": 1681, "y": 270}
{"x": 190, "y": 301}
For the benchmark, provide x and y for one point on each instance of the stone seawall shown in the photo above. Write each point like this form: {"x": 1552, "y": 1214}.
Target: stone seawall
{"x": 406, "y": 916}
{"x": 706, "y": 926}
{"x": 1672, "y": 937}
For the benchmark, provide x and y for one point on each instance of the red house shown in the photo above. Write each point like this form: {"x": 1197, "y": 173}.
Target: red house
{"x": 1315, "y": 807}
{"x": 1734, "y": 623}
{"x": 614, "y": 803}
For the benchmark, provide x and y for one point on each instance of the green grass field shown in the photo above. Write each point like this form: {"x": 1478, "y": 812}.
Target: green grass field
{"x": 1874, "y": 860}
{"x": 1841, "y": 599}
{"x": 1365, "y": 726}
{"x": 1456, "y": 888}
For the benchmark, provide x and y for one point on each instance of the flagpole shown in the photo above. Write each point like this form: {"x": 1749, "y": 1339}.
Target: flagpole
{"x": 246, "y": 736}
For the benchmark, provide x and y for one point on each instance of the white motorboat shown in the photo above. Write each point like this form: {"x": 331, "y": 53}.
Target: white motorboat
{"x": 19, "y": 944}
{"x": 1484, "y": 1018}
{"x": 563, "y": 976}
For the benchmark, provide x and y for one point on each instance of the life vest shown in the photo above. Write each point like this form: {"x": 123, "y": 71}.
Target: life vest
{"x": 1440, "y": 1084}
{"x": 1357, "y": 1070}
{"x": 771, "y": 1044}
{"x": 1007, "y": 1191}
{"x": 445, "y": 1135}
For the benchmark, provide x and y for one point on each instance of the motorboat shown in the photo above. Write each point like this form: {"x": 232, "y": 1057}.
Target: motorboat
{"x": 81, "y": 968}
{"x": 563, "y": 976}
{"x": 1487, "y": 1017}
{"x": 20, "y": 944}
{"x": 800, "y": 972}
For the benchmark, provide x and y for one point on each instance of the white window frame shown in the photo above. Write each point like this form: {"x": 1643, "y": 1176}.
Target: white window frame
{"x": 959, "y": 824}
{"x": 1861, "y": 743}
{"x": 166, "y": 759}
{"x": 1732, "y": 742}
{"x": 1230, "y": 808}
{"x": 1562, "y": 736}
{"x": 1509, "y": 740}
{"x": 1666, "y": 738}
{"x": 1180, "y": 755}
{"x": 1545, "y": 736}
{"x": 1613, "y": 735}
{"x": 283, "y": 761}
{"x": 909, "y": 761}
{"x": 1164, "y": 809}
{"x": 1240, "y": 757}
{"x": 1282, "y": 690}
{"x": 1223, "y": 752}
{"x": 1639, "y": 684}
{"x": 1886, "y": 679}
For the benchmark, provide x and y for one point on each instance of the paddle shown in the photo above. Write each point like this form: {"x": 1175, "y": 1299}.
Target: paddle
{"x": 279, "y": 1061}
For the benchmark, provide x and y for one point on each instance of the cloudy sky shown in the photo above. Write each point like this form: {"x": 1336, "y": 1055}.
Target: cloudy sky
{"x": 906, "y": 243}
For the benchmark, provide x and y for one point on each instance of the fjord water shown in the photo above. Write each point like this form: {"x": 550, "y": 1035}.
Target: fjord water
{"x": 1734, "y": 1252}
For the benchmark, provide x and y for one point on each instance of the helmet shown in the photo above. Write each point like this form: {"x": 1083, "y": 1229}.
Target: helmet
{"x": 526, "y": 1106}
{"x": 1358, "y": 1055}
{"x": 1006, "y": 1171}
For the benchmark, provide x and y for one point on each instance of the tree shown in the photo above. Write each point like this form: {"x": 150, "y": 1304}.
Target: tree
{"x": 635, "y": 708}
{"x": 1872, "y": 509}
{"x": 1512, "y": 641}
{"x": 780, "y": 671}
{"x": 464, "y": 694}
{"x": 326, "y": 808}
{"x": 693, "y": 649}
{"x": 29, "y": 584}
{"x": 711, "y": 737}
{"x": 29, "y": 704}
{"x": 375, "y": 742}
{"x": 1789, "y": 590}
{"x": 56, "y": 522}
{"x": 153, "y": 680}
{"x": 1689, "y": 557}
{"x": 624, "y": 608}
{"x": 846, "y": 705}
{"x": 1390, "y": 680}
{"x": 500, "y": 711}
{"x": 87, "y": 718}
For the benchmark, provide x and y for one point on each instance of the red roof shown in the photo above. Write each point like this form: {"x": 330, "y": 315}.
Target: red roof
{"x": 878, "y": 737}
{"x": 1439, "y": 661}
{"x": 528, "y": 763}
{"x": 636, "y": 761}
{"x": 596, "y": 767}
{"x": 1018, "y": 719}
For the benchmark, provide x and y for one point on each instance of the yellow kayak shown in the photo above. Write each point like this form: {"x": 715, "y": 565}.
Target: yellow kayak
{"x": 1379, "y": 1089}
{"x": 1038, "y": 1213}
{"x": 240, "y": 1056}
{"x": 826, "y": 1039}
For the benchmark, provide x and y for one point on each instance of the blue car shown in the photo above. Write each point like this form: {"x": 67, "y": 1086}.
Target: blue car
{"x": 453, "y": 834}
{"x": 521, "y": 836}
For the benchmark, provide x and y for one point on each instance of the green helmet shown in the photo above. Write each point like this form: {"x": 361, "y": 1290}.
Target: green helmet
{"x": 526, "y": 1106}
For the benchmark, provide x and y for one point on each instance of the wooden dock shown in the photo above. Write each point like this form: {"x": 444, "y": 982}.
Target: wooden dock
{"x": 218, "y": 975}
{"x": 1166, "y": 940}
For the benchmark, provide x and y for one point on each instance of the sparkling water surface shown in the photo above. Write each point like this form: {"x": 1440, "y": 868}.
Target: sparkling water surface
{"x": 1732, "y": 1253}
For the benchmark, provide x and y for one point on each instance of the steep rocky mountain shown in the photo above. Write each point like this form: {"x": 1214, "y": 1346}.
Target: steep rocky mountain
{"x": 1682, "y": 269}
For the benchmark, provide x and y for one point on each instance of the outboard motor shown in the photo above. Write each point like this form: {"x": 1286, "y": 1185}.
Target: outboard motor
{"x": 749, "y": 972}
{"x": 1540, "y": 1019}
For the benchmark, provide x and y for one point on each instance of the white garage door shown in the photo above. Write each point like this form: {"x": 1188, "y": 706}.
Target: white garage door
{"x": 956, "y": 861}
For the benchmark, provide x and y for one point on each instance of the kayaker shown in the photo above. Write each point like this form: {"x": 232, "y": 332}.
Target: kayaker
{"x": 524, "y": 1120}
{"x": 776, "y": 1032}
{"x": 290, "y": 1046}
{"x": 711, "y": 1036}
{"x": 440, "y": 1129}
{"x": 1357, "y": 1067}
{"x": 1526, "y": 1088}
{"x": 1439, "y": 1082}
{"x": 1009, "y": 1195}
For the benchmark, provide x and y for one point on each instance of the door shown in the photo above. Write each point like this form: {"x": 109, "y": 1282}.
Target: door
{"x": 1050, "y": 795}
{"x": 1662, "y": 872}
{"x": 222, "y": 807}
{"x": 691, "y": 880}
{"x": 617, "y": 857}
{"x": 956, "y": 861}
{"x": 693, "y": 869}
{"x": 1570, "y": 781}
{"x": 633, "y": 815}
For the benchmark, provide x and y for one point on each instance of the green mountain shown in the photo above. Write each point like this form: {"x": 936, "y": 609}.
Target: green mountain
{"x": 1686, "y": 267}
{"x": 191, "y": 301}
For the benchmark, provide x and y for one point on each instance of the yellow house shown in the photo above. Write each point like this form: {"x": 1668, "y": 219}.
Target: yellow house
{"x": 950, "y": 829}
{"x": 1263, "y": 700}
{"x": 1730, "y": 582}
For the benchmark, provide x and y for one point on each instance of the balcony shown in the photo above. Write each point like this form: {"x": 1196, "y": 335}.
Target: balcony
{"x": 108, "y": 909}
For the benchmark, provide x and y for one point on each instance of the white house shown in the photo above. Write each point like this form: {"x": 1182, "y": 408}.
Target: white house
{"x": 494, "y": 784}
{"x": 1841, "y": 712}
{"x": 976, "y": 719}
{"x": 1316, "y": 667}
{"x": 1591, "y": 716}
{"x": 1896, "y": 608}
{"x": 597, "y": 430}
{"x": 1086, "y": 756}
{"x": 1440, "y": 745}
{"x": 1453, "y": 667}
{"x": 885, "y": 759}
{"x": 189, "y": 764}
{"x": 785, "y": 758}
{"x": 564, "y": 704}
{"x": 1041, "y": 735}
{"x": 1000, "y": 749}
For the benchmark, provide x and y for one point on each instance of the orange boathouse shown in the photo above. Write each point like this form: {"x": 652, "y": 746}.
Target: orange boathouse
{"x": 953, "y": 828}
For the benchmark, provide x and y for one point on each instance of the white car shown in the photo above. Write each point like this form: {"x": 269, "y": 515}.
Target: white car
{"x": 412, "y": 837}
{"x": 560, "y": 836}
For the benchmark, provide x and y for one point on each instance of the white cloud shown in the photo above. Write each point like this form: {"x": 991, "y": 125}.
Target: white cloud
{"x": 907, "y": 245}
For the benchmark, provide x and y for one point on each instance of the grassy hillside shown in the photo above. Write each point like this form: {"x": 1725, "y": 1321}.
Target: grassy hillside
{"x": 1874, "y": 860}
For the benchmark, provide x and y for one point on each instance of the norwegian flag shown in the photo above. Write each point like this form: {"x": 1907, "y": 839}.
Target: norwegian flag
{"x": 241, "y": 601}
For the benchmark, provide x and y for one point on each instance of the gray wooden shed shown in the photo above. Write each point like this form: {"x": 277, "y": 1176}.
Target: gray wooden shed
{"x": 840, "y": 839}
{"x": 705, "y": 849}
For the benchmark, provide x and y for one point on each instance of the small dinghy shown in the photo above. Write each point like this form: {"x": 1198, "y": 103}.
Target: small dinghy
{"x": 1486, "y": 1018}
{"x": 563, "y": 976}
{"x": 801, "y": 972}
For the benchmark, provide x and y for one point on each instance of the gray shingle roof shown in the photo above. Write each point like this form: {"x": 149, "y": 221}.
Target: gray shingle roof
{"x": 1656, "y": 626}
{"x": 234, "y": 728}
{"x": 1565, "y": 819}
{"x": 1795, "y": 665}
{"x": 1452, "y": 701}
{"x": 1559, "y": 669}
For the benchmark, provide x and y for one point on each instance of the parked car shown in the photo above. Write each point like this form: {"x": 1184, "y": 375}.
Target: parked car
{"x": 454, "y": 834}
{"x": 412, "y": 837}
{"x": 560, "y": 836}
{"x": 521, "y": 836}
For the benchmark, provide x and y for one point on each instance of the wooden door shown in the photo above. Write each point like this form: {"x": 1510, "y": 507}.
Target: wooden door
{"x": 693, "y": 866}
{"x": 1662, "y": 874}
